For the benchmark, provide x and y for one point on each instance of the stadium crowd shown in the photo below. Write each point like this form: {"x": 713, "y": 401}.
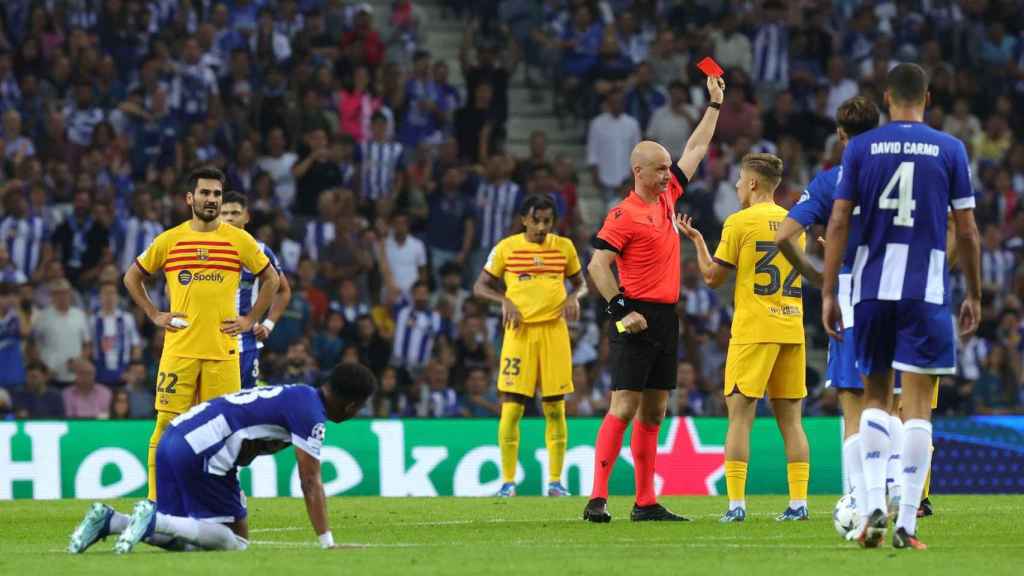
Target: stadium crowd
{"x": 382, "y": 185}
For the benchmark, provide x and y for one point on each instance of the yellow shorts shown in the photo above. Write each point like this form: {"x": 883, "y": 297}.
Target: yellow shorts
{"x": 184, "y": 382}
{"x": 536, "y": 351}
{"x": 778, "y": 369}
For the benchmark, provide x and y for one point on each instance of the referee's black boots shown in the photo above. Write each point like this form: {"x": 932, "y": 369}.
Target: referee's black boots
{"x": 597, "y": 511}
{"x": 655, "y": 513}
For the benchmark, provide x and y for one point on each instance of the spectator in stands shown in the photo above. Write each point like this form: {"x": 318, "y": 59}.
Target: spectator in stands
{"x": 480, "y": 399}
{"x": 389, "y": 401}
{"x": 478, "y": 129}
{"x": 497, "y": 200}
{"x": 115, "y": 339}
{"x": 362, "y": 44}
{"x": 38, "y": 399}
{"x": 644, "y": 97}
{"x": 450, "y": 227}
{"x": 278, "y": 163}
{"x": 671, "y": 124}
{"x": 610, "y": 140}
{"x": 120, "y": 407}
{"x": 61, "y": 334}
{"x": 26, "y": 234}
{"x": 732, "y": 47}
{"x": 15, "y": 328}
{"x": 417, "y": 327}
{"x": 317, "y": 172}
{"x": 425, "y": 112}
{"x": 439, "y": 399}
{"x": 406, "y": 254}
{"x": 383, "y": 162}
{"x": 374, "y": 350}
{"x": 328, "y": 343}
{"x": 140, "y": 391}
{"x": 86, "y": 398}
{"x": 8, "y": 273}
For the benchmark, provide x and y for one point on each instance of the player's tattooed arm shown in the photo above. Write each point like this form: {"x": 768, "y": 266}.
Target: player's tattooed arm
{"x": 787, "y": 239}
{"x": 313, "y": 491}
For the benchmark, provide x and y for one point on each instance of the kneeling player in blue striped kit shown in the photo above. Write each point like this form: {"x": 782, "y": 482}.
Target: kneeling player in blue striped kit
{"x": 199, "y": 504}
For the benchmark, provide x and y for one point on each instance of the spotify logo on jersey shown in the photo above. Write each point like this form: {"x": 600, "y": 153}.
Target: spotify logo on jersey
{"x": 185, "y": 277}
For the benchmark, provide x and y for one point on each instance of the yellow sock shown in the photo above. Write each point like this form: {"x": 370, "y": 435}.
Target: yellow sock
{"x": 162, "y": 420}
{"x": 556, "y": 433}
{"x": 798, "y": 473}
{"x": 736, "y": 482}
{"x": 508, "y": 439}
{"x": 928, "y": 478}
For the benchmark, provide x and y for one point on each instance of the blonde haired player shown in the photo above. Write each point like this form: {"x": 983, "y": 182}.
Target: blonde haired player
{"x": 766, "y": 352}
{"x": 202, "y": 260}
{"x": 534, "y": 266}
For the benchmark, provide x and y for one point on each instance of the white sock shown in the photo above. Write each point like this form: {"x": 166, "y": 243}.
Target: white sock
{"x": 893, "y": 469}
{"x": 118, "y": 522}
{"x": 207, "y": 535}
{"x": 874, "y": 449}
{"x": 795, "y": 504}
{"x": 917, "y": 460}
{"x": 855, "y": 473}
{"x": 734, "y": 504}
{"x": 178, "y": 526}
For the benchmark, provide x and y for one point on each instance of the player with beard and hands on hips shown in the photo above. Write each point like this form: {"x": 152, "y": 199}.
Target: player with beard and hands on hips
{"x": 534, "y": 266}
{"x": 905, "y": 177}
{"x": 235, "y": 211}
{"x": 202, "y": 261}
{"x": 199, "y": 503}
{"x": 640, "y": 237}
{"x": 766, "y": 348}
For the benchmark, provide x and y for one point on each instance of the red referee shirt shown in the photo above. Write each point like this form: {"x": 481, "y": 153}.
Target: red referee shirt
{"x": 647, "y": 242}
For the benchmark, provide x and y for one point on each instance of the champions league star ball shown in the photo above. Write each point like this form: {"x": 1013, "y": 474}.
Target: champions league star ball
{"x": 844, "y": 517}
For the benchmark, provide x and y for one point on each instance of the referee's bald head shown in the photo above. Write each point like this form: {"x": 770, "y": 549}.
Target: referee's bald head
{"x": 646, "y": 153}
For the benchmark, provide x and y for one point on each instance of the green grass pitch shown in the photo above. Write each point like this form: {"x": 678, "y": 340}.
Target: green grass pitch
{"x": 532, "y": 536}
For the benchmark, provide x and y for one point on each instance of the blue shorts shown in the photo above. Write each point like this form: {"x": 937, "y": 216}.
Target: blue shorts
{"x": 250, "y": 365}
{"x": 184, "y": 488}
{"x": 910, "y": 336}
{"x": 841, "y": 372}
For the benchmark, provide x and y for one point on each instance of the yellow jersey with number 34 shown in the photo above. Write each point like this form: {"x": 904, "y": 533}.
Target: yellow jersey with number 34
{"x": 769, "y": 297}
{"x": 202, "y": 270}
{"x": 534, "y": 274}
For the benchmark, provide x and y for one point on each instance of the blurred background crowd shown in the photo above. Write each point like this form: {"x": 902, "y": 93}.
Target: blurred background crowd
{"x": 384, "y": 146}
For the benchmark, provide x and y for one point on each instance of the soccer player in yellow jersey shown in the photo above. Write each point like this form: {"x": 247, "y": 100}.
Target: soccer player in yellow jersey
{"x": 202, "y": 260}
{"x": 766, "y": 352}
{"x": 534, "y": 266}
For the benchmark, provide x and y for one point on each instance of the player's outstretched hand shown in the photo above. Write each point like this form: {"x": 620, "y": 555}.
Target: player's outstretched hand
{"x": 831, "y": 316}
{"x": 716, "y": 89}
{"x": 571, "y": 309}
{"x": 970, "y": 316}
{"x": 163, "y": 320}
{"x": 236, "y": 326}
{"x": 634, "y": 322}
{"x": 685, "y": 224}
{"x": 510, "y": 315}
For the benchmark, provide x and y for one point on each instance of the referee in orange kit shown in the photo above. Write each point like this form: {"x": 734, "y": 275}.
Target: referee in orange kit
{"x": 640, "y": 236}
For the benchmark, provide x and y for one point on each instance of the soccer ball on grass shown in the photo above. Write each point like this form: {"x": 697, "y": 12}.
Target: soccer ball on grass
{"x": 845, "y": 517}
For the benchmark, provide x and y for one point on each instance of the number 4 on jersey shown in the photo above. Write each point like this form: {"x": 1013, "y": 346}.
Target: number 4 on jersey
{"x": 904, "y": 204}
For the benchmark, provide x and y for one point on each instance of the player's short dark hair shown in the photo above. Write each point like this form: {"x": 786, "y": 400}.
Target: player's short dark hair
{"x": 907, "y": 83}
{"x": 451, "y": 267}
{"x": 203, "y": 173}
{"x": 537, "y": 202}
{"x": 352, "y": 382}
{"x": 235, "y": 197}
{"x": 857, "y": 115}
{"x": 767, "y": 165}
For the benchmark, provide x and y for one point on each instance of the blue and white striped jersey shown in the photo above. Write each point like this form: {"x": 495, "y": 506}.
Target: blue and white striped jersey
{"x": 904, "y": 176}
{"x": 496, "y": 203}
{"x": 24, "y": 238}
{"x": 113, "y": 336}
{"x": 380, "y": 162}
{"x": 415, "y": 332}
{"x": 771, "y": 53}
{"x": 132, "y": 237}
{"x": 216, "y": 430}
{"x": 248, "y": 291}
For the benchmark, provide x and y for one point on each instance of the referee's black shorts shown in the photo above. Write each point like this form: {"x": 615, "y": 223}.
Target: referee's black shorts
{"x": 646, "y": 360}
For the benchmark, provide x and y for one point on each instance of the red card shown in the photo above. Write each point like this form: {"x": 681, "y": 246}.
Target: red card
{"x": 709, "y": 67}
